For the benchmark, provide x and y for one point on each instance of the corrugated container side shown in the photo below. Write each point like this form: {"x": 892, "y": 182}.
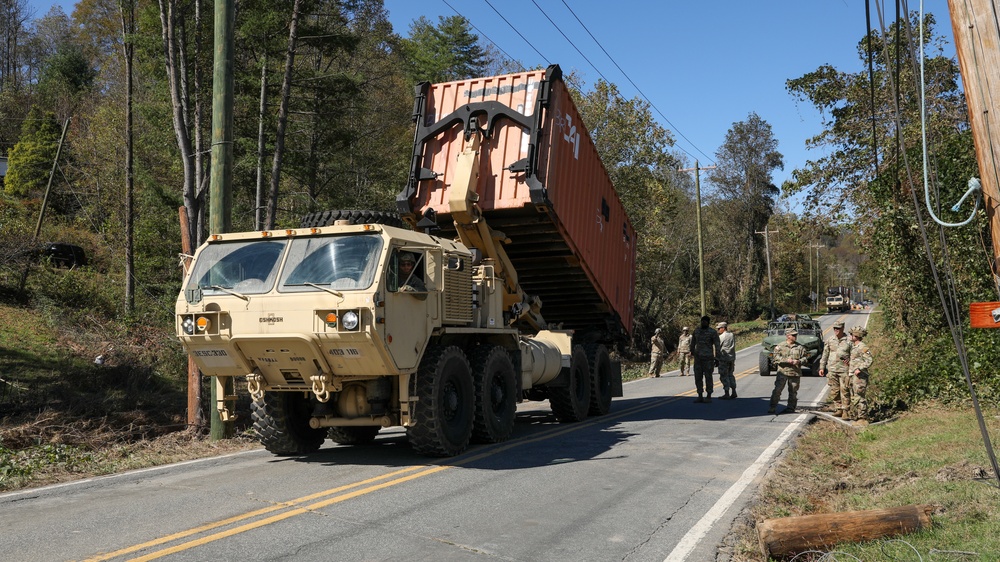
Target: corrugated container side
{"x": 572, "y": 242}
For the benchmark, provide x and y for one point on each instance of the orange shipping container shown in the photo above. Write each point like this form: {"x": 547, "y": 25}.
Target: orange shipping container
{"x": 541, "y": 182}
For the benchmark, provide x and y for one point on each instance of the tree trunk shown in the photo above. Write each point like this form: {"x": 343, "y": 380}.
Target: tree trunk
{"x": 127, "y": 8}
{"x": 258, "y": 223}
{"x": 175, "y": 72}
{"x": 279, "y": 141}
{"x": 781, "y": 538}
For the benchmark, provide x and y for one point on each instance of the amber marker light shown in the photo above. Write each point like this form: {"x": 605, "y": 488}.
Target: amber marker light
{"x": 203, "y": 323}
{"x": 331, "y": 319}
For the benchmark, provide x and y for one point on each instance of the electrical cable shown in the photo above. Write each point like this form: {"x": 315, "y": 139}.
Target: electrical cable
{"x": 951, "y": 313}
{"x": 974, "y": 185}
{"x": 570, "y": 41}
{"x": 871, "y": 81}
{"x": 627, "y": 77}
{"x": 544, "y": 58}
{"x": 495, "y": 44}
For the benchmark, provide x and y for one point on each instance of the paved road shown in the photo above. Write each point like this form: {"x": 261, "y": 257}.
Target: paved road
{"x": 659, "y": 478}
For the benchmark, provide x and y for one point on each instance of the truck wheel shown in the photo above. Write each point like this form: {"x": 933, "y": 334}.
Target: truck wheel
{"x": 353, "y": 435}
{"x": 599, "y": 362}
{"x": 327, "y": 218}
{"x": 570, "y": 403}
{"x": 443, "y": 412}
{"x": 765, "y": 365}
{"x": 281, "y": 420}
{"x": 496, "y": 394}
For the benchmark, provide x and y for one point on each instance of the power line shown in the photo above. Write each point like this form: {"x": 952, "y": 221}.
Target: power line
{"x": 495, "y": 44}
{"x": 627, "y": 77}
{"x": 570, "y": 41}
{"x": 518, "y": 32}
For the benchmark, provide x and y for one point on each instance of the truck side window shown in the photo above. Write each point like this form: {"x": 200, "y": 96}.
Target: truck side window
{"x": 406, "y": 272}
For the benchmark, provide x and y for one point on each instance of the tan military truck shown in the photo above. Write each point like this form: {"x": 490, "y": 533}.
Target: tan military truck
{"x": 353, "y": 322}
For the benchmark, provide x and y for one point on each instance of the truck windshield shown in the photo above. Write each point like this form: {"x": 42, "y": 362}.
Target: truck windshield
{"x": 343, "y": 263}
{"x": 244, "y": 268}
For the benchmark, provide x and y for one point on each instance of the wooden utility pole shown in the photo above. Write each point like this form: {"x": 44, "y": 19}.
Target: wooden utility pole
{"x": 767, "y": 256}
{"x": 809, "y": 250}
{"x": 194, "y": 416}
{"x": 45, "y": 199}
{"x": 221, "y": 185}
{"x": 976, "y": 42}
{"x": 701, "y": 246}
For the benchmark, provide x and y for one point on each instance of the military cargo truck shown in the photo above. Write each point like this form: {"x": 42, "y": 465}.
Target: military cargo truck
{"x": 353, "y": 322}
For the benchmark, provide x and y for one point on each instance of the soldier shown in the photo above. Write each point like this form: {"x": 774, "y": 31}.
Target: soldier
{"x": 705, "y": 348}
{"x": 411, "y": 280}
{"x": 727, "y": 360}
{"x": 788, "y": 355}
{"x": 833, "y": 365}
{"x": 659, "y": 348}
{"x": 861, "y": 360}
{"x": 684, "y": 351}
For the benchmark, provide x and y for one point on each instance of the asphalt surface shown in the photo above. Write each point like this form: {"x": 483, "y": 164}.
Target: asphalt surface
{"x": 659, "y": 478}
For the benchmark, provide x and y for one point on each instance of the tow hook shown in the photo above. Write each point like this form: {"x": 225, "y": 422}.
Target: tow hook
{"x": 321, "y": 385}
{"x": 253, "y": 386}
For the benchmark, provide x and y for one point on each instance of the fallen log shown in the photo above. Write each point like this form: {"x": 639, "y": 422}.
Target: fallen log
{"x": 780, "y": 538}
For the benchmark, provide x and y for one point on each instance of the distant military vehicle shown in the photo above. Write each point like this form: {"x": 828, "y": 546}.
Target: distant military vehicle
{"x": 810, "y": 336}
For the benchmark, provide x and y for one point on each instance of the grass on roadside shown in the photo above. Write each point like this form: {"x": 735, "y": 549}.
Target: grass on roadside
{"x": 932, "y": 455}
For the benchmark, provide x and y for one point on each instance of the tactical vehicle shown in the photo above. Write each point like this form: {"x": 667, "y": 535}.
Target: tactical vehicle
{"x": 335, "y": 340}
{"x": 810, "y": 336}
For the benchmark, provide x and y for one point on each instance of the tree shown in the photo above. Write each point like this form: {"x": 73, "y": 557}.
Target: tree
{"x": 30, "y": 160}
{"x": 745, "y": 163}
{"x": 445, "y": 52}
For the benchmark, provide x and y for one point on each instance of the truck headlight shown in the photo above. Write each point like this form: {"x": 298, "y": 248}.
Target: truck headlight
{"x": 188, "y": 325}
{"x": 350, "y": 320}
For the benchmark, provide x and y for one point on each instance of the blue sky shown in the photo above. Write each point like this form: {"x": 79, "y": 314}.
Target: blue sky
{"x": 704, "y": 65}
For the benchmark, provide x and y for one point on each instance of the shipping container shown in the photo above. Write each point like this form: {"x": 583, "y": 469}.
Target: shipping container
{"x": 541, "y": 183}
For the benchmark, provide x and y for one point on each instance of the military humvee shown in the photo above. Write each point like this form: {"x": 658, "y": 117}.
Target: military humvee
{"x": 810, "y": 336}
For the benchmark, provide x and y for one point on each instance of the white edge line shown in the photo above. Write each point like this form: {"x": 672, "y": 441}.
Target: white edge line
{"x": 690, "y": 540}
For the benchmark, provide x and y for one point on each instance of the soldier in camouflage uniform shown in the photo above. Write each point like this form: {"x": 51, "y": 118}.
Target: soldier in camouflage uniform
{"x": 727, "y": 360}
{"x": 659, "y": 350}
{"x": 705, "y": 348}
{"x": 788, "y": 356}
{"x": 861, "y": 360}
{"x": 833, "y": 365}
{"x": 684, "y": 351}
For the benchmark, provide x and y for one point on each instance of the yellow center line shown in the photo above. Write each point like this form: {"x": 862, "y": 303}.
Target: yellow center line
{"x": 248, "y": 515}
{"x": 293, "y": 506}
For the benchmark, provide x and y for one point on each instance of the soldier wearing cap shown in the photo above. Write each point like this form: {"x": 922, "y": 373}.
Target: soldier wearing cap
{"x": 727, "y": 360}
{"x": 861, "y": 360}
{"x": 789, "y": 356}
{"x": 833, "y": 365}
{"x": 411, "y": 280}
{"x": 684, "y": 351}
{"x": 658, "y": 351}
{"x": 705, "y": 348}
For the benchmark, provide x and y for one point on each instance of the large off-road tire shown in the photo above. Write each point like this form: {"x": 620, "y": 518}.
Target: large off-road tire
{"x": 814, "y": 366}
{"x": 599, "y": 361}
{"x": 443, "y": 412}
{"x": 281, "y": 420}
{"x": 496, "y": 394}
{"x": 353, "y": 435}
{"x": 327, "y": 218}
{"x": 571, "y": 403}
{"x": 765, "y": 364}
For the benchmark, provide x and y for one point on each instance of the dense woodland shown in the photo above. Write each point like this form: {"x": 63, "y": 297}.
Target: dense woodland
{"x": 322, "y": 113}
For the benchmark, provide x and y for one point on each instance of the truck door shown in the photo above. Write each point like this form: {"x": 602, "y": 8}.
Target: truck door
{"x": 410, "y": 304}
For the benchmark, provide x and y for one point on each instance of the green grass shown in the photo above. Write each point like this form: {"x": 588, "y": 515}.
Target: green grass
{"x": 932, "y": 455}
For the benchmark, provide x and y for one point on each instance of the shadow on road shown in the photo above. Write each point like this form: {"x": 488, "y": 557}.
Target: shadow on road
{"x": 540, "y": 440}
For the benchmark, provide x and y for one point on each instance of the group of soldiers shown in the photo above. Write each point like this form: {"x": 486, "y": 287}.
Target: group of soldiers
{"x": 702, "y": 351}
{"x": 845, "y": 363}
